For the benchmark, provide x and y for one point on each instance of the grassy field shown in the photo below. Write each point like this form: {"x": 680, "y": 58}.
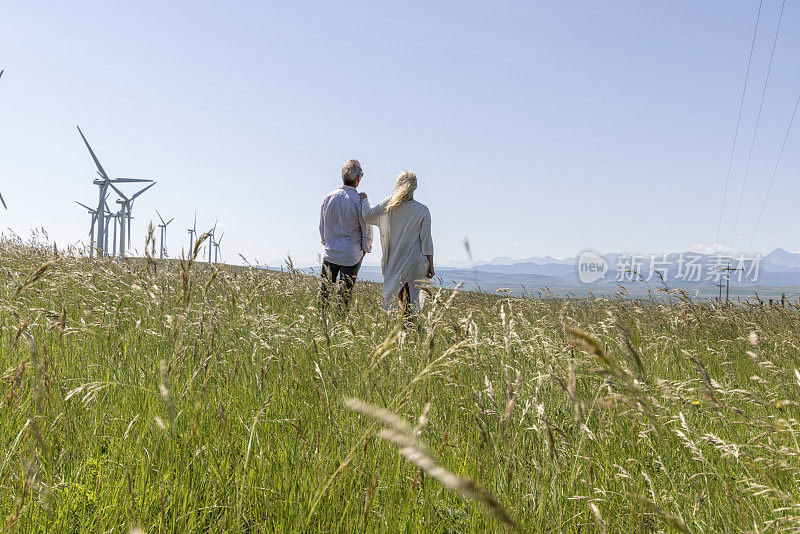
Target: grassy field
{"x": 175, "y": 397}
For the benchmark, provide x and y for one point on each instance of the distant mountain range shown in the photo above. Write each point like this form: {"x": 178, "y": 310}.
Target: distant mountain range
{"x": 506, "y": 261}
{"x": 778, "y": 257}
{"x": 770, "y": 276}
{"x": 776, "y": 273}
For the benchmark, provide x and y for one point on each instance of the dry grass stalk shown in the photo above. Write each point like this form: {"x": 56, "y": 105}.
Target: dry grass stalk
{"x": 670, "y": 519}
{"x": 400, "y": 433}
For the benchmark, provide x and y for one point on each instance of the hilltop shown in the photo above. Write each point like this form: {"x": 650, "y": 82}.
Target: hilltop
{"x": 177, "y": 396}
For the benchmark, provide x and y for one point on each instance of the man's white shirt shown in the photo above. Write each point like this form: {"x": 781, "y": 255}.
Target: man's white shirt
{"x": 344, "y": 233}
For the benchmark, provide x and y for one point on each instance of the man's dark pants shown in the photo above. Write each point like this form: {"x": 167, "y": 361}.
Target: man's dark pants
{"x": 347, "y": 276}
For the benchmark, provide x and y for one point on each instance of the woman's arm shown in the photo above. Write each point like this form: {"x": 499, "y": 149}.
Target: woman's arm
{"x": 372, "y": 215}
{"x": 366, "y": 229}
{"x": 426, "y": 241}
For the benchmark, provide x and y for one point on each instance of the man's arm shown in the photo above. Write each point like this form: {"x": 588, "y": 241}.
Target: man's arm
{"x": 322, "y": 221}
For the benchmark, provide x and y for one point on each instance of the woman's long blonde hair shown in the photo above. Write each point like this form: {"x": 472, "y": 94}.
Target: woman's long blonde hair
{"x": 403, "y": 189}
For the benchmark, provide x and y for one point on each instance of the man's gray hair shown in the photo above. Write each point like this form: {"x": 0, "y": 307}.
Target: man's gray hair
{"x": 351, "y": 172}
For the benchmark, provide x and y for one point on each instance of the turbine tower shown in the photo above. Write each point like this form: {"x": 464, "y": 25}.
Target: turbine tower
{"x": 192, "y": 234}
{"x": 216, "y": 246}
{"x": 103, "y": 184}
{"x": 115, "y": 218}
{"x": 211, "y": 241}
{"x": 93, "y": 213}
{"x": 107, "y": 234}
{"x": 163, "y": 227}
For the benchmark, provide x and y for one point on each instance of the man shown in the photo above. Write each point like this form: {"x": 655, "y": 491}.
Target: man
{"x": 345, "y": 235}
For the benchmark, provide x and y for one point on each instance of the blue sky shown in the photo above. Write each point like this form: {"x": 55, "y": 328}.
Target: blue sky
{"x": 534, "y": 127}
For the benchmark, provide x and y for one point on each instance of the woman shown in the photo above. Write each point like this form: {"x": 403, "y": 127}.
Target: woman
{"x": 405, "y": 227}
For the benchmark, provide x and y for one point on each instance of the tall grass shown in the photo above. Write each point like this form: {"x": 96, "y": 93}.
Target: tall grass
{"x": 180, "y": 397}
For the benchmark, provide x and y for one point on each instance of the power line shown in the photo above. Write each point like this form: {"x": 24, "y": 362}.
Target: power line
{"x": 775, "y": 171}
{"x": 758, "y": 119}
{"x": 738, "y": 123}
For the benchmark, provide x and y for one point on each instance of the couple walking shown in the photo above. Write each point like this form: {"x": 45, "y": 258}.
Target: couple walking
{"x": 405, "y": 230}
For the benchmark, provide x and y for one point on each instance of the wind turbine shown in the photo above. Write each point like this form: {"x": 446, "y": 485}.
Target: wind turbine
{"x": 163, "y": 227}
{"x": 129, "y": 209}
{"x": 103, "y": 184}
{"x": 211, "y": 241}
{"x": 215, "y": 244}
{"x": 192, "y": 234}
{"x": 126, "y": 206}
{"x": 93, "y": 213}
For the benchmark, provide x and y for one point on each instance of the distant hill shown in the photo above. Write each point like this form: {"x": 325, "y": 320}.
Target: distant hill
{"x": 782, "y": 258}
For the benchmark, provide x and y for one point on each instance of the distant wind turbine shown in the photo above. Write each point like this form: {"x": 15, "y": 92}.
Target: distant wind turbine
{"x": 211, "y": 241}
{"x": 126, "y": 206}
{"x": 216, "y": 247}
{"x": 93, "y": 213}
{"x": 192, "y": 234}
{"x": 163, "y": 227}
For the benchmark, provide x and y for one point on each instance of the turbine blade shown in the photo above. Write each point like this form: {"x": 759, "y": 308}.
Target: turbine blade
{"x": 169, "y": 221}
{"x": 142, "y": 191}
{"x": 1, "y": 196}
{"x": 129, "y": 180}
{"x": 120, "y": 193}
{"x": 85, "y": 206}
{"x": 160, "y": 217}
{"x": 105, "y": 203}
{"x": 96, "y": 161}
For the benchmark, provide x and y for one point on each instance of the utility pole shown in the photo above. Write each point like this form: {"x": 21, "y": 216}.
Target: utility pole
{"x": 728, "y": 270}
